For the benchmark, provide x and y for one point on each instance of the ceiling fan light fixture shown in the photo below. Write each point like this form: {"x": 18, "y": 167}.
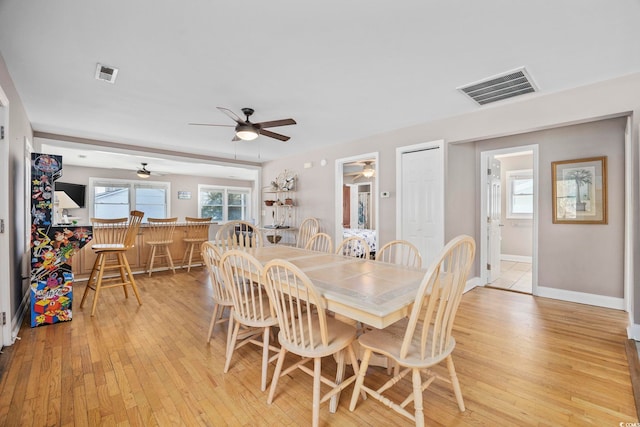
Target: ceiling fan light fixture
{"x": 368, "y": 170}
{"x": 246, "y": 132}
{"x": 143, "y": 173}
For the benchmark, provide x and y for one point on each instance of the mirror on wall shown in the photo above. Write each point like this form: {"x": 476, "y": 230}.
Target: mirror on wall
{"x": 356, "y": 197}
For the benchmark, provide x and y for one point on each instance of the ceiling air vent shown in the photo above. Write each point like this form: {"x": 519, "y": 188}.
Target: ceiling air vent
{"x": 502, "y": 86}
{"x": 106, "y": 73}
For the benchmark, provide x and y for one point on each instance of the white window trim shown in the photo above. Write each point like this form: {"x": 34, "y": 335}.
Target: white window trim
{"x": 510, "y": 175}
{"x": 226, "y": 189}
{"x": 132, "y": 184}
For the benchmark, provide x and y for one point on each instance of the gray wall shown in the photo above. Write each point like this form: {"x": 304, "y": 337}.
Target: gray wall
{"x": 18, "y": 129}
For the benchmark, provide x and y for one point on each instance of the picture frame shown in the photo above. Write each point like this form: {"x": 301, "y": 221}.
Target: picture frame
{"x": 579, "y": 191}
{"x": 184, "y": 195}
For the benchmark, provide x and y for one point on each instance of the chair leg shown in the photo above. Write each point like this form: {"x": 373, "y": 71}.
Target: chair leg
{"x": 265, "y": 358}
{"x": 131, "y": 279}
{"x": 316, "y": 392}
{"x": 231, "y": 347}
{"x": 333, "y": 403}
{"x": 229, "y": 331}
{"x": 98, "y": 284}
{"x": 123, "y": 274}
{"x": 364, "y": 364}
{"x": 92, "y": 277}
{"x": 192, "y": 246}
{"x": 169, "y": 259}
{"x": 214, "y": 316}
{"x": 417, "y": 397}
{"x": 454, "y": 382}
{"x": 276, "y": 374}
{"x": 152, "y": 256}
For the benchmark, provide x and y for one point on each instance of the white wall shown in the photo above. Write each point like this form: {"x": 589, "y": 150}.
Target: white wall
{"x": 517, "y": 233}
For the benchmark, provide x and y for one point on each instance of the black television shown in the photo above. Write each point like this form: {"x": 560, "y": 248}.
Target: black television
{"x": 75, "y": 191}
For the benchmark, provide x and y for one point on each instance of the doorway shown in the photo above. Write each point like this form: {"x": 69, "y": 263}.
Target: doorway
{"x": 509, "y": 212}
{"x": 357, "y": 198}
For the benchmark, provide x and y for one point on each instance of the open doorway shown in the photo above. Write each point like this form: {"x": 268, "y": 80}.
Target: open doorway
{"x": 509, "y": 217}
{"x": 357, "y": 198}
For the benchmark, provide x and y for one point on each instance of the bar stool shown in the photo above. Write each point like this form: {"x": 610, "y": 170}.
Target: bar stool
{"x": 197, "y": 233}
{"x": 159, "y": 236}
{"x": 112, "y": 237}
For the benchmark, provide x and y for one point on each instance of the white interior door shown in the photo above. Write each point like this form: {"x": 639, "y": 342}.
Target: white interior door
{"x": 494, "y": 218}
{"x": 422, "y": 204}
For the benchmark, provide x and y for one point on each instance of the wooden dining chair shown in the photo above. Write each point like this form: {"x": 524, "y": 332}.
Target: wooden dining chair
{"x": 197, "y": 232}
{"x": 306, "y": 331}
{"x": 320, "y": 242}
{"x": 354, "y": 246}
{"x": 308, "y": 228}
{"x": 400, "y": 252}
{"x": 242, "y": 275}
{"x": 239, "y": 234}
{"x": 112, "y": 239}
{"x": 158, "y": 236}
{"x": 221, "y": 295}
{"x": 425, "y": 339}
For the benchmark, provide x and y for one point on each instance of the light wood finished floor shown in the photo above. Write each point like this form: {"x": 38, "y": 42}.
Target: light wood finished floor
{"x": 520, "y": 360}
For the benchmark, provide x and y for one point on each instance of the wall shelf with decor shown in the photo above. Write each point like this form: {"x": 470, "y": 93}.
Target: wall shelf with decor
{"x": 280, "y": 219}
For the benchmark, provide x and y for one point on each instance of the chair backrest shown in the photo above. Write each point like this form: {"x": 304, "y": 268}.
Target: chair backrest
{"x": 160, "y": 230}
{"x": 117, "y": 231}
{"x": 109, "y": 230}
{"x": 299, "y": 308}
{"x": 438, "y": 298}
{"x": 242, "y": 275}
{"x": 212, "y": 256}
{"x": 320, "y": 242}
{"x": 197, "y": 229}
{"x": 354, "y": 246}
{"x": 135, "y": 219}
{"x": 308, "y": 228}
{"x": 400, "y": 252}
{"x": 239, "y": 234}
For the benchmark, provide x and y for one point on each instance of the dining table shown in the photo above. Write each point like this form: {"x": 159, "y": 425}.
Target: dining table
{"x": 374, "y": 293}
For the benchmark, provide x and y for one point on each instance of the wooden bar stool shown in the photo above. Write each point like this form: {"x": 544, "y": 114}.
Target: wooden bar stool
{"x": 159, "y": 235}
{"x": 197, "y": 234}
{"x": 112, "y": 237}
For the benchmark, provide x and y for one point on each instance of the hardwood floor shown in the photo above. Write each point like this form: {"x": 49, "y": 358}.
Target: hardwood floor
{"x": 520, "y": 360}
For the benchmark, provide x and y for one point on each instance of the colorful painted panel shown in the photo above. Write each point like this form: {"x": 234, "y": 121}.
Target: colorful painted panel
{"x": 52, "y": 247}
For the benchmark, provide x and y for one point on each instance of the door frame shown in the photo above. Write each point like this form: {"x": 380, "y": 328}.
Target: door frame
{"x": 5, "y": 247}
{"x": 339, "y": 180}
{"x": 484, "y": 157}
{"x": 436, "y": 144}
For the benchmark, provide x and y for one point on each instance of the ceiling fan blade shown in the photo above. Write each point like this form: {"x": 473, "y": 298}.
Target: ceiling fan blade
{"x": 274, "y": 123}
{"x": 235, "y": 138}
{"x": 210, "y": 124}
{"x": 274, "y": 135}
{"x": 231, "y": 114}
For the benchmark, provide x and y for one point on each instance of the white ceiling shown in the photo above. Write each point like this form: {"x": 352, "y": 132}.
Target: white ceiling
{"x": 344, "y": 70}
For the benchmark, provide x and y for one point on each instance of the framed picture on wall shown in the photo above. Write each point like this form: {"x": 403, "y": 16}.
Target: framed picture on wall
{"x": 579, "y": 191}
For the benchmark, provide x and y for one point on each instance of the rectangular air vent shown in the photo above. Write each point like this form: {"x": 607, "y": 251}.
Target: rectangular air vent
{"x": 106, "y": 73}
{"x": 502, "y": 86}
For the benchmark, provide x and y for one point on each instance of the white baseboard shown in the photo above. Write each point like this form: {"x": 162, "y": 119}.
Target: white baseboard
{"x": 472, "y": 283}
{"x": 581, "y": 297}
{"x": 633, "y": 332}
{"x": 516, "y": 258}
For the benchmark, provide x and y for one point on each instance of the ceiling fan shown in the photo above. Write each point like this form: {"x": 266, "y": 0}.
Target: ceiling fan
{"x": 247, "y": 131}
{"x": 143, "y": 172}
{"x": 368, "y": 170}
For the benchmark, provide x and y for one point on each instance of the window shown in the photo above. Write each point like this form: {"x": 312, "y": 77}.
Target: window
{"x": 115, "y": 198}
{"x": 520, "y": 194}
{"x": 224, "y": 203}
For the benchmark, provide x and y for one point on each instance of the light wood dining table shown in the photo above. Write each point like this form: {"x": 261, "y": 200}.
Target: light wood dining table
{"x": 372, "y": 292}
